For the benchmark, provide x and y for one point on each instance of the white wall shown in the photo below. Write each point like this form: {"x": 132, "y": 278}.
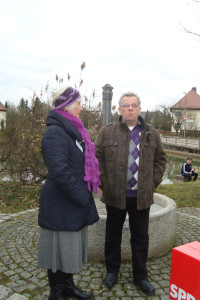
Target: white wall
{"x": 2, "y": 117}
{"x": 192, "y": 115}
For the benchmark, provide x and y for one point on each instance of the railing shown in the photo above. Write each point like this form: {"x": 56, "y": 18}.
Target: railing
{"x": 181, "y": 142}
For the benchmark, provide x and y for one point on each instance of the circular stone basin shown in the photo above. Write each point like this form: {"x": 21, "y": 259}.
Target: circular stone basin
{"x": 162, "y": 224}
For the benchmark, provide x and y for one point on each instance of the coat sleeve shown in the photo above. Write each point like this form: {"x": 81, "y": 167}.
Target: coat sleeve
{"x": 57, "y": 158}
{"x": 159, "y": 162}
{"x": 99, "y": 152}
{"x": 187, "y": 168}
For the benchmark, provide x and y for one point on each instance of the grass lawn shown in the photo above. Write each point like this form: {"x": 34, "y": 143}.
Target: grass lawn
{"x": 14, "y": 197}
{"x": 185, "y": 194}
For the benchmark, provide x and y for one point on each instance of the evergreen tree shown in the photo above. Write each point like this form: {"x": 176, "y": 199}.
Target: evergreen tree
{"x": 148, "y": 117}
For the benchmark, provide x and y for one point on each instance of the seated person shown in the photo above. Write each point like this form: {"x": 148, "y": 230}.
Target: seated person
{"x": 188, "y": 171}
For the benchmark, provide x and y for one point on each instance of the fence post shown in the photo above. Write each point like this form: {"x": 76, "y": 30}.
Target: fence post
{"x": 107, "y": 100}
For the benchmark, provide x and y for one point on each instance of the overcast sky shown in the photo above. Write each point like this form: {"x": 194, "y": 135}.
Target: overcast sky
{"x": 136, "y": 45}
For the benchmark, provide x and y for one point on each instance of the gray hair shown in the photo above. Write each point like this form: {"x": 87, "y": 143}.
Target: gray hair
{"x": 71, "y": 106}
{"x": 129, "y": 94}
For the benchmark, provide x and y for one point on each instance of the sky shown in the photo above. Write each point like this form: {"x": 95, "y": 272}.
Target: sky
{"x": 133, "y": 45}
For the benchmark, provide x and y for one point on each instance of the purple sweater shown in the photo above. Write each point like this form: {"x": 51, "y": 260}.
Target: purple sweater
{"x": 133, "y": 161}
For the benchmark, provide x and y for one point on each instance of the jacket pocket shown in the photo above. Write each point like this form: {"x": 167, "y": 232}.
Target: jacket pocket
{"x": 150, "y": 150}
{"x": 110, "y": 148}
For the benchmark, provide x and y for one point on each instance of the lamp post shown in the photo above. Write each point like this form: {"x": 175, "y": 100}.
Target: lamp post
{"x": 185, "y": 117}
{"x": 107, "y": 100}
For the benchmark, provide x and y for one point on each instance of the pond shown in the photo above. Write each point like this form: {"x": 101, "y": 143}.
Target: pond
{"x": 173, "y": 168}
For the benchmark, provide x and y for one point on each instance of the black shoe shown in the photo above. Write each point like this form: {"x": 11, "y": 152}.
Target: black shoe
{"x": 146, "y": 287}
{"x": 111, "y": 279}
{"x": 71, "y": 290}
{"x": 57, "y": 293}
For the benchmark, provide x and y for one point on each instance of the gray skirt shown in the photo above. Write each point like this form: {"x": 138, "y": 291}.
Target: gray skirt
{"x": 63, "y": 250}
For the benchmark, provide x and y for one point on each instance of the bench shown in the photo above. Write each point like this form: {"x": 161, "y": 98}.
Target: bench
{"x": 183, "y": 178}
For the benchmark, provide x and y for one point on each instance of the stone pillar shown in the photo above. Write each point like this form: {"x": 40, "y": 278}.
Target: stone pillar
{"x": 107, "y": 101}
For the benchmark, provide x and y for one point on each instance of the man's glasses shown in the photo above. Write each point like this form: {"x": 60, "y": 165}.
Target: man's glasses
{"x": 126, "y": 105}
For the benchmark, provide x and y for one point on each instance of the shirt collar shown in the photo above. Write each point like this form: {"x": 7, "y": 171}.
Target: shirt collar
{"x": 132, "y": 127}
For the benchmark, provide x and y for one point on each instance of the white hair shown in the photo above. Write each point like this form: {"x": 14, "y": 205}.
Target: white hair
{"x": 71, "y": 106}
{"x": 56, "y": 94}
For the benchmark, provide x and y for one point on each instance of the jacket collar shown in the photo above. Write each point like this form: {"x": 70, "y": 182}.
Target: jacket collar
{"x": 144, "y": 125}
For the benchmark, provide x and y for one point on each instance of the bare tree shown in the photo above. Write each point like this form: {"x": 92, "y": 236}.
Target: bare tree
{"x": 190, "y": 31}
{"x": 91, "y": 114}
{"x": 179, "y": 121}
{"x": 161, "y": 118}
{"x": 20, "y": 149}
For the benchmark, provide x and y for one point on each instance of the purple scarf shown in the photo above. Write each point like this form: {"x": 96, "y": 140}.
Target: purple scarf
{"x": 91, "y": 163}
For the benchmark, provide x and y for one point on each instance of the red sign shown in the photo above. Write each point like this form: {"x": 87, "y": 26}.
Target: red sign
{"x": 185, "y": 118}
{"x": 185, "y": 272}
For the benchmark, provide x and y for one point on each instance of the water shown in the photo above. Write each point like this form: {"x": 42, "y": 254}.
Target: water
{"x": 173, "y": 168}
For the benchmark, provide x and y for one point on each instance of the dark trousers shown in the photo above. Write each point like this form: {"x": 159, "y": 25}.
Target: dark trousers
{"x": 138, "y": 222}
{"x": 190, "y": 176}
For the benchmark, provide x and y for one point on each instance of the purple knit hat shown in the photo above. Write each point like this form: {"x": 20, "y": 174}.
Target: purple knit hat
{"x": 68, "y": 97}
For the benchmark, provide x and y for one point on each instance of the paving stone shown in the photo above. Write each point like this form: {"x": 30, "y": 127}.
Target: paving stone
{"x": 17, "y": 297}
{"x": 165, "y": 297}
{"x": 14, "y": 278}
{"x": 4, "y": 292}
{"x": 22, "y": 279}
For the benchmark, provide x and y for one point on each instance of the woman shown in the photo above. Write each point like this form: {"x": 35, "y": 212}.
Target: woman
{"x": 66, "y": 203}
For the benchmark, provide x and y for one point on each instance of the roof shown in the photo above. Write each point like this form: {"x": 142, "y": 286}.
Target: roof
{"x": 191, "y": 100}
{"x": 2, "y": 107}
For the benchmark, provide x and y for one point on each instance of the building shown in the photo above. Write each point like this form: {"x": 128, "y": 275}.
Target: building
{"x": 186, "y": 112}
{"x": 2, "y": 116}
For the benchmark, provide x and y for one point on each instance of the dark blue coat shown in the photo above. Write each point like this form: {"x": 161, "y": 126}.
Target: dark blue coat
{"x": 186, "y": 168}
{"x": 66, "y": 204}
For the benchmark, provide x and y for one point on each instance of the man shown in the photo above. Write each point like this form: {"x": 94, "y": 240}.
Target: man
{"x": 132, "y": 162}
{"x": 188, "y": 171}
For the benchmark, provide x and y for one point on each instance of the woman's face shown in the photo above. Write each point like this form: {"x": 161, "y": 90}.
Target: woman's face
{"x": 77, "y": 108}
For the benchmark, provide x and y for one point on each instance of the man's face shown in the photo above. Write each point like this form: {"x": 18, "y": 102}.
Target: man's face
{"x": 129, "y": 110}
{"x": 189, "y": 161}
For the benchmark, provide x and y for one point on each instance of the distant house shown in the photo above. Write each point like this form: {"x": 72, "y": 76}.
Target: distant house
{"x": 186, "y": 112}
{"x": 2, "y": 116}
